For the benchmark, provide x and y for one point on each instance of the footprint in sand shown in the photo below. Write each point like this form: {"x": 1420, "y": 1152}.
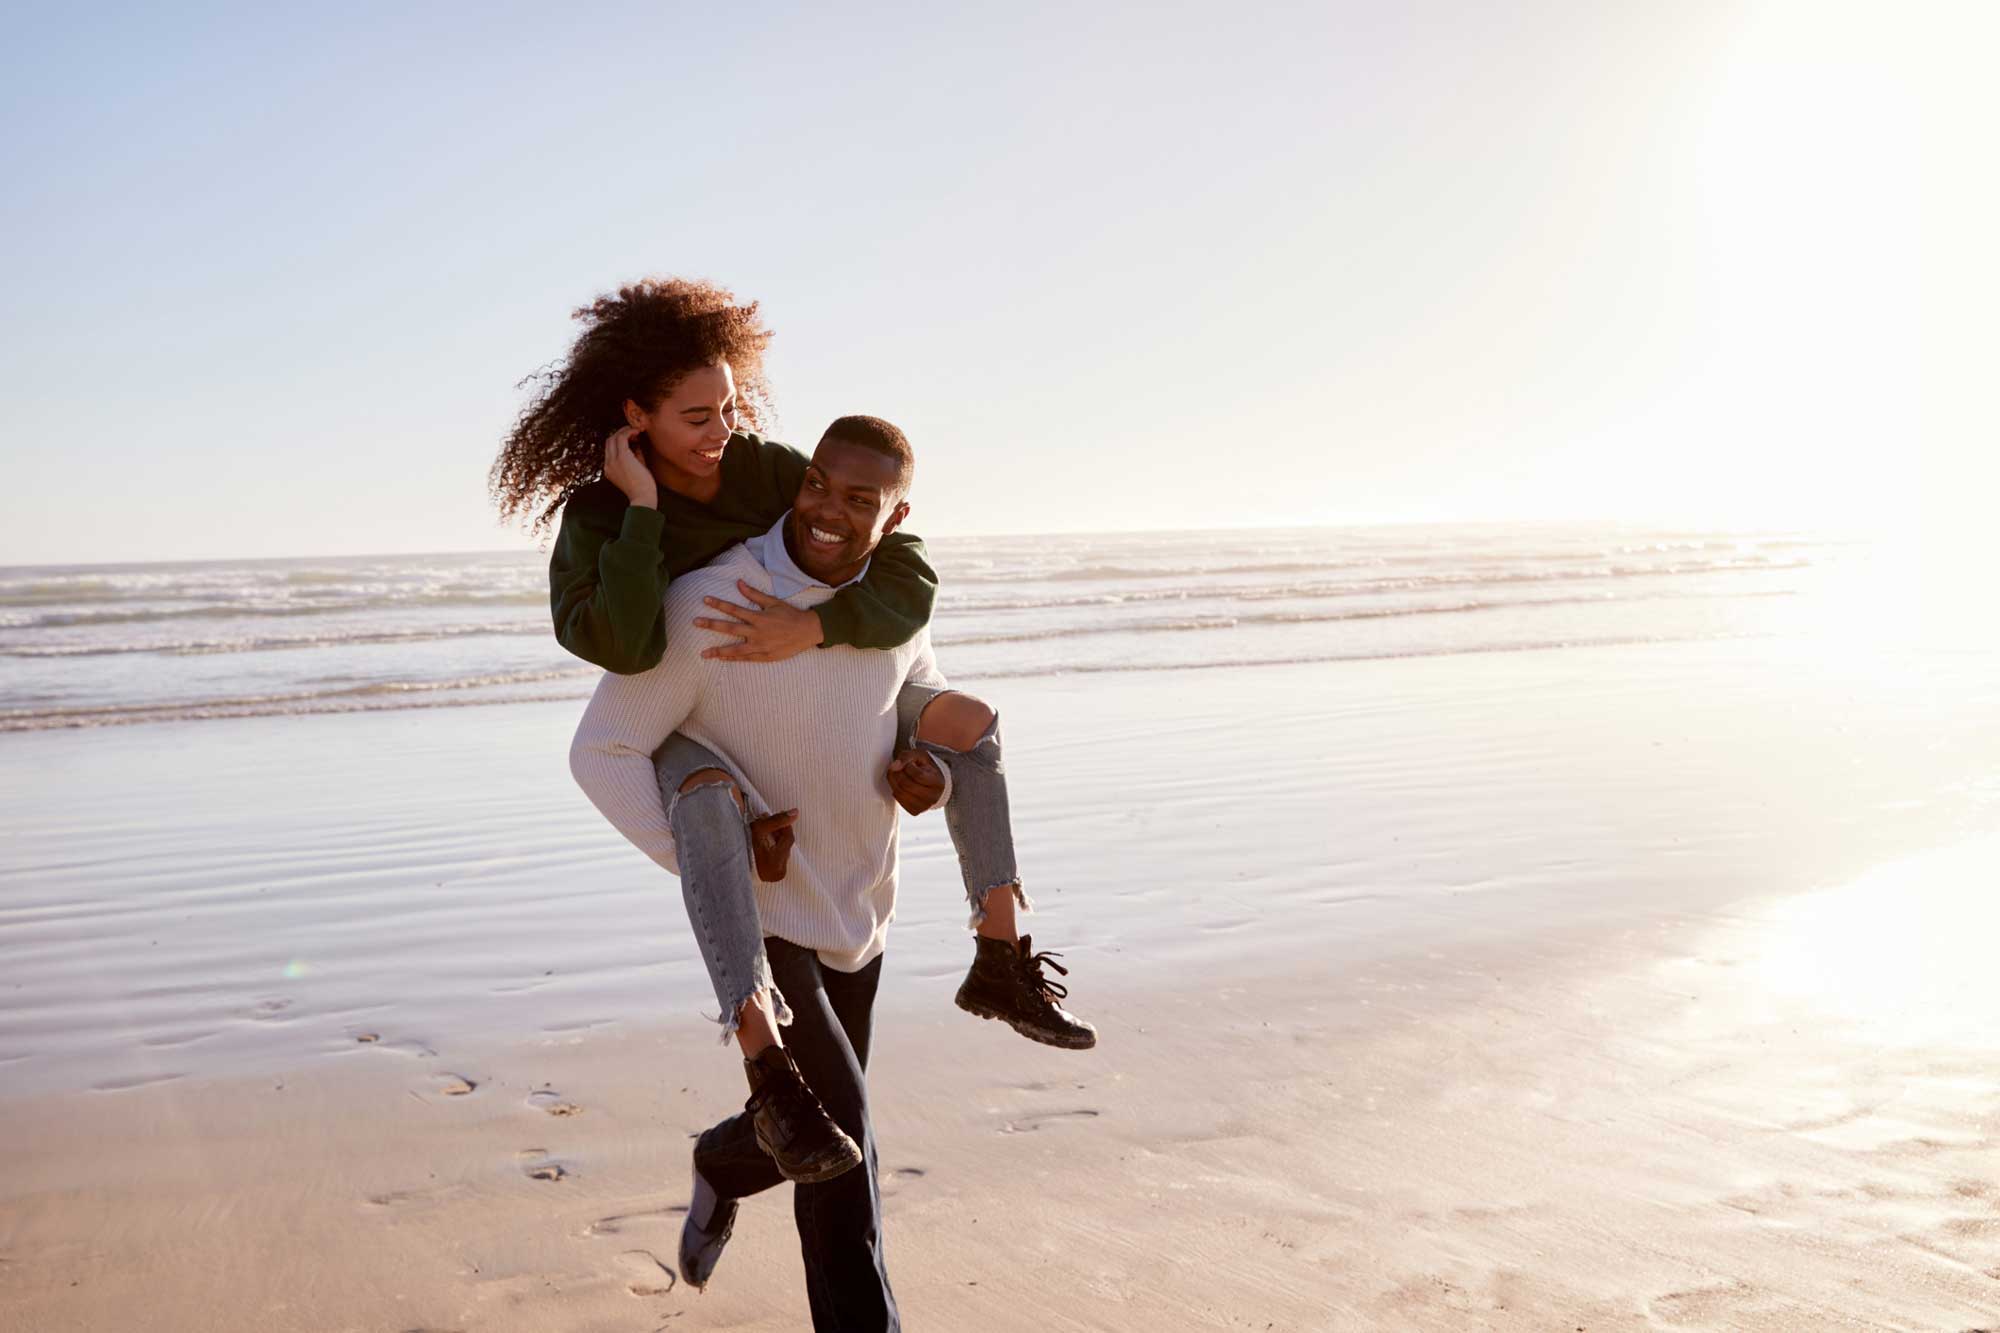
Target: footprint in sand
{"x": 1706, "y": 1305}
{"x": 1029, "y": 1123}
{"x": 550, "y": 1101}
{"x": 646, "y": 1275}
{"x": 536, "y": 1164}
{"x": 617, "y": 1223}
{"x": 410, "y": 1198}
{"x": 894, "y": 1181}
{"x": 135, "y": 1081}
{"x": 453, "y": 1085}
{"x": 167, "y": 1040}
{"x": 401, "y": 1045}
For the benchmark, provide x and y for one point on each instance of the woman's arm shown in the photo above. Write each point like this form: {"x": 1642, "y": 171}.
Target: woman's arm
{"x": 891, "y": 604}
{"x": 607, "y": 577}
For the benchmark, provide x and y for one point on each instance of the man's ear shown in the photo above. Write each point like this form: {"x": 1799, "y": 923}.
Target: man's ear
{"x": 896, "y": 517}
{"x": 635, "y": 415}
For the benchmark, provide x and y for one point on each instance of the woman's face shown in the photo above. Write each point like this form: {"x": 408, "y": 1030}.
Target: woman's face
{"x": 686, "y": 431}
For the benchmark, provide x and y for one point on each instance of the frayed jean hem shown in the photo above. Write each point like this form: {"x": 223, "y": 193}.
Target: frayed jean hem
{"x": 731, "y": 1019}
{"x": 978, "y": 901}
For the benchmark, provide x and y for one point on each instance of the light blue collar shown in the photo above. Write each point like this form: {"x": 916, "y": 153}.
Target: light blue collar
{"x": 786, "y": 576}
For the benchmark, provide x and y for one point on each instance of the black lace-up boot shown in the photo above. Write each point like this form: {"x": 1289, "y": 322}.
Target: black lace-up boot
{"x": 1006, "y": 982}
{"x": 791, "y": 1124}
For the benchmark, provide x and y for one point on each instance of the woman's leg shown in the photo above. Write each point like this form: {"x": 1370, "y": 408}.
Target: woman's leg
{"x": 1007, "y": 980}
{"x": 965, "y": 732}
{"x": 705, "y": 811}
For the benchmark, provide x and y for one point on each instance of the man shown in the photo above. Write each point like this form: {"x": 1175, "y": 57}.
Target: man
{"x": 820, "y": 732}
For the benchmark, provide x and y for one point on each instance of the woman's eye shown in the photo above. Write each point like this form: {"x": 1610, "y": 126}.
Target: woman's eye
{"x": 697, "y": 421}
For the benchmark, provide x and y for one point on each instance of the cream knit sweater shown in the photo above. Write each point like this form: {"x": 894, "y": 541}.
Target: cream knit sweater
{"x": 815, "y": 732}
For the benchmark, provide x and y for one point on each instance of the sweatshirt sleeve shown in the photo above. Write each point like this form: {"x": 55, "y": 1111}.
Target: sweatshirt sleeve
{"x": 607, "y": 576}
{"x": 890, "y": 604}
{"x": 611, "y": 757}
{"x": 893, "y": 600}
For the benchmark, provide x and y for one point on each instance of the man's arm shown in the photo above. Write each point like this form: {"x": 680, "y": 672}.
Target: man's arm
{"x": 628, "y": 718}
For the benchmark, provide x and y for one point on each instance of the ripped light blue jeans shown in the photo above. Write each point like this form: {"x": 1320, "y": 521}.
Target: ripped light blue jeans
{"x": 712, "y": 843}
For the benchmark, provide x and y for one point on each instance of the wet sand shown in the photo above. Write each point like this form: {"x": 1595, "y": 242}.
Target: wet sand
{"x": 1610, "y": 988}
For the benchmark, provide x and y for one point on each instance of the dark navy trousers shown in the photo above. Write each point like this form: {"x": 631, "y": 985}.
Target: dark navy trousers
{"x": 839, "y": 1220}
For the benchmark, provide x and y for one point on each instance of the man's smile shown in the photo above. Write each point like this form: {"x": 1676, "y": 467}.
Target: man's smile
{"x": 825, "y": 538}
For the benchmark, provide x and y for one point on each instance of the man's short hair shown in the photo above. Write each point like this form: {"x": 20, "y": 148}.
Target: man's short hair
{"x": 878, "y": 435}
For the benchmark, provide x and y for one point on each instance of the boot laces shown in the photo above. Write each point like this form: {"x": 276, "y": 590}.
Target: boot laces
{"x": 1039, "y": 985}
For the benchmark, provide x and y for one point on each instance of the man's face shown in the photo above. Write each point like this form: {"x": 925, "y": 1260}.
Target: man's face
{"x": 848, "y": 502}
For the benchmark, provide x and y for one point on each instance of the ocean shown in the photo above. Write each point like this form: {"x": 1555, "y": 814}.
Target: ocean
{"x": 102, "y": 645}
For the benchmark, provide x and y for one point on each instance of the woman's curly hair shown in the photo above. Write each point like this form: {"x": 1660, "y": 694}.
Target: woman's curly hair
{"x": 637, "y": 344}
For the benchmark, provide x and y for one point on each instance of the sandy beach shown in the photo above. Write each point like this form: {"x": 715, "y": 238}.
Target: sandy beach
{"x": 1604, "y": 988}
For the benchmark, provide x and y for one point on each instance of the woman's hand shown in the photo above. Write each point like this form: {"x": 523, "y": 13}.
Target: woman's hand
{"x": 627, "y": 471}
{"x": 771, "y": 634}
{"x": 914, "y": 780}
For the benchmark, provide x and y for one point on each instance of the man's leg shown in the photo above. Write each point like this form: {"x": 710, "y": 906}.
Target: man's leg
{"x": 839, "y": 1221}
{"x": 1007, "y": 980}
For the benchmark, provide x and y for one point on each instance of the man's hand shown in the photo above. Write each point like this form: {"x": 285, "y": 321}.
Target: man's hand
{"x": 915, "y": 781}
{"x": 627, "y": 471}
{"x": 771, "y": 844}
{"x": 778, "y": 631}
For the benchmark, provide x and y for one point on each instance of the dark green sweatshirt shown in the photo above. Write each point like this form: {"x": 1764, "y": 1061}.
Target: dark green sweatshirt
{"x": 609, "y": 570}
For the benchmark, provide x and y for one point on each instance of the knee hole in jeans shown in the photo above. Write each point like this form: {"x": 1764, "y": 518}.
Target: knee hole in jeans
{"x": 712, "y": 777}
{"x": 954, "y": 720}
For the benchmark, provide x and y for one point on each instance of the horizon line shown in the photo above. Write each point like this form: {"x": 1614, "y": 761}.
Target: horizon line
{"x": 1658, "y": 525}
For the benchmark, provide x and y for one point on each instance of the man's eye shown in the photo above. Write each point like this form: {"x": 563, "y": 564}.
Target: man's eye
{"x": 814, "y": 483}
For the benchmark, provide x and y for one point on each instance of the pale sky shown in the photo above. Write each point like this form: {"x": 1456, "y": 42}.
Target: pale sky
{"x": 276, "y": 270}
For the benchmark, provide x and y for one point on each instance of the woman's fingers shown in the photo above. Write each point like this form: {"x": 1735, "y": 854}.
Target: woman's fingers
{"x": 742, "y": 615}
{"x": 758, "y": 595}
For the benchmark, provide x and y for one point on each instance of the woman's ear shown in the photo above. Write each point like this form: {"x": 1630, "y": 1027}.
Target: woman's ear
{"x": 635, "y": 416}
